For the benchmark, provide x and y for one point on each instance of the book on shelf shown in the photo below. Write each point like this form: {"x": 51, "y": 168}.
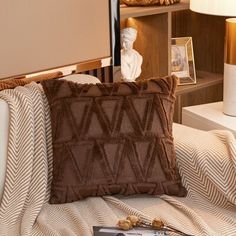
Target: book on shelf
{"x": 112, "y": 231}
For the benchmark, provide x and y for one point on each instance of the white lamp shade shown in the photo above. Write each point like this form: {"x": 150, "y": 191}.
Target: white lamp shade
{"x": 214, "y": 7}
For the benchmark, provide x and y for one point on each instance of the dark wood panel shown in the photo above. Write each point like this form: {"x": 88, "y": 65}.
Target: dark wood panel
{"x": 127, "y": 11}
{"x": 209, "y": 89}
{"x": 204, "y": 79}
{"x": 208, "y": 38}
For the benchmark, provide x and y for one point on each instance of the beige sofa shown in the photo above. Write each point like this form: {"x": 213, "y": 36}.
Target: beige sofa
{"x": 206, "y": 161}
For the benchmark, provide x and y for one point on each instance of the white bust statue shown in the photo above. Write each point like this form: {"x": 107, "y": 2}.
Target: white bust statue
{"x": 131, "y": 60}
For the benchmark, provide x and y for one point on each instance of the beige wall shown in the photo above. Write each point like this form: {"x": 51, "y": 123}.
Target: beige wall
{"x": 43, "y": 34}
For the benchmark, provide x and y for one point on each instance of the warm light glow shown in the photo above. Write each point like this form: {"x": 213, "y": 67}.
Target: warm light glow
{"x": 132, "y": 22}
{"x": 214, "y": 7}
{"x": 131, "y": 19}
{"x": 231, "y": 20}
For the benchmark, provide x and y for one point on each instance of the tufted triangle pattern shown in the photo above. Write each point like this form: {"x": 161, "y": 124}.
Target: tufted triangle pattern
{"x": 112, "y": 139}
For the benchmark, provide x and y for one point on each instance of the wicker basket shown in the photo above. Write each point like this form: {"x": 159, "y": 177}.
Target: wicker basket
{"x": 149, "y": 2}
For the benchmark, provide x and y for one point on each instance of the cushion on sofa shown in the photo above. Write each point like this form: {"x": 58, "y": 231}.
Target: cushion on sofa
{"x": 13, "y": 82}
{"x": 112, "y": 139}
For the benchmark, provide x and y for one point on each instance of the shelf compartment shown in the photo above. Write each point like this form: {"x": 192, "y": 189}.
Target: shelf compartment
{"x": 209, "y": 88}
{"x": 152, "y": 43}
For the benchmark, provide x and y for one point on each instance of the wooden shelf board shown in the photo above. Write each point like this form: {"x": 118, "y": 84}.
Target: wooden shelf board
{"x": 128, "y": 11}
{"x": 204, "y": 79}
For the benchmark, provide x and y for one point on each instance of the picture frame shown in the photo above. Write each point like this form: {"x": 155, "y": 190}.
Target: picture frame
{"x": 182, "y": 60}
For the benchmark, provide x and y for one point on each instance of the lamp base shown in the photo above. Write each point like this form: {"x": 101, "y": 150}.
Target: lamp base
{"x": 229, "y": 101}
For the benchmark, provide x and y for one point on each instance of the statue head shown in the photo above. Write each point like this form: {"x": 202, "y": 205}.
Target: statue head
{"x": 128, "y": 36}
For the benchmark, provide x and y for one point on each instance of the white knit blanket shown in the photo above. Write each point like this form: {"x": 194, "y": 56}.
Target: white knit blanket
{"x": 206, "y": 160}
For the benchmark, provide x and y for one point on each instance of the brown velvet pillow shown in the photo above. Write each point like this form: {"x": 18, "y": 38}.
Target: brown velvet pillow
{"x": 112, "y": 139}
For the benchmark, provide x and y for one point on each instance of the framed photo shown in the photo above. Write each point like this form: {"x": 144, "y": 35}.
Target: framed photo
{"x": 182, "y": 60}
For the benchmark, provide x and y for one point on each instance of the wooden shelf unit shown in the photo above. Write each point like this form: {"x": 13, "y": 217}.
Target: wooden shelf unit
{"x": 157, "y": 25}
{"x": 154, "y": 35}
{"x": 126, "y": 12}
{"x": 208, "y": 45}
{"x": 204, "y": 79}
{"x": 209, "y": 88}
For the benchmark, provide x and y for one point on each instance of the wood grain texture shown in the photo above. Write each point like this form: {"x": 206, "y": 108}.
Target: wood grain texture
{"x": 154, "y": 35}
{"x": 126, "y": 11}
{"x": 152, "y": 43}
{"x": 155, "y": 30}
{"x": 208, "y": 44}
{"x": 209, "y": 88}
{"x": 204, "y": 79}
{"x": 208, "y": 38}
{"x": 169, "y": 41}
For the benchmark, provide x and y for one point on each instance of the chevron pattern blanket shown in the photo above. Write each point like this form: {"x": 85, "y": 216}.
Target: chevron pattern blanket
{"x": 206, "y": 160}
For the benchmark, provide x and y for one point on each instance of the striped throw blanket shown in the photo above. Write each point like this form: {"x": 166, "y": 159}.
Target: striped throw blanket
{"x": 206, "y": 160}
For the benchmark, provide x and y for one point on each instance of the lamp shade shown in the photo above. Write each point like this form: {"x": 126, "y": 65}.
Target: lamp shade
{"x": 214, "y": 7}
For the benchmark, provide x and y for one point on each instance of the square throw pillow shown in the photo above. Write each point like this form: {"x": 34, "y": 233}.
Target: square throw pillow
{"x": 112, "y": 139}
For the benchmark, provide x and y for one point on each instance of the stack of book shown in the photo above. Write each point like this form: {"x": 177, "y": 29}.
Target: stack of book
{"x": 112, "y": 231}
